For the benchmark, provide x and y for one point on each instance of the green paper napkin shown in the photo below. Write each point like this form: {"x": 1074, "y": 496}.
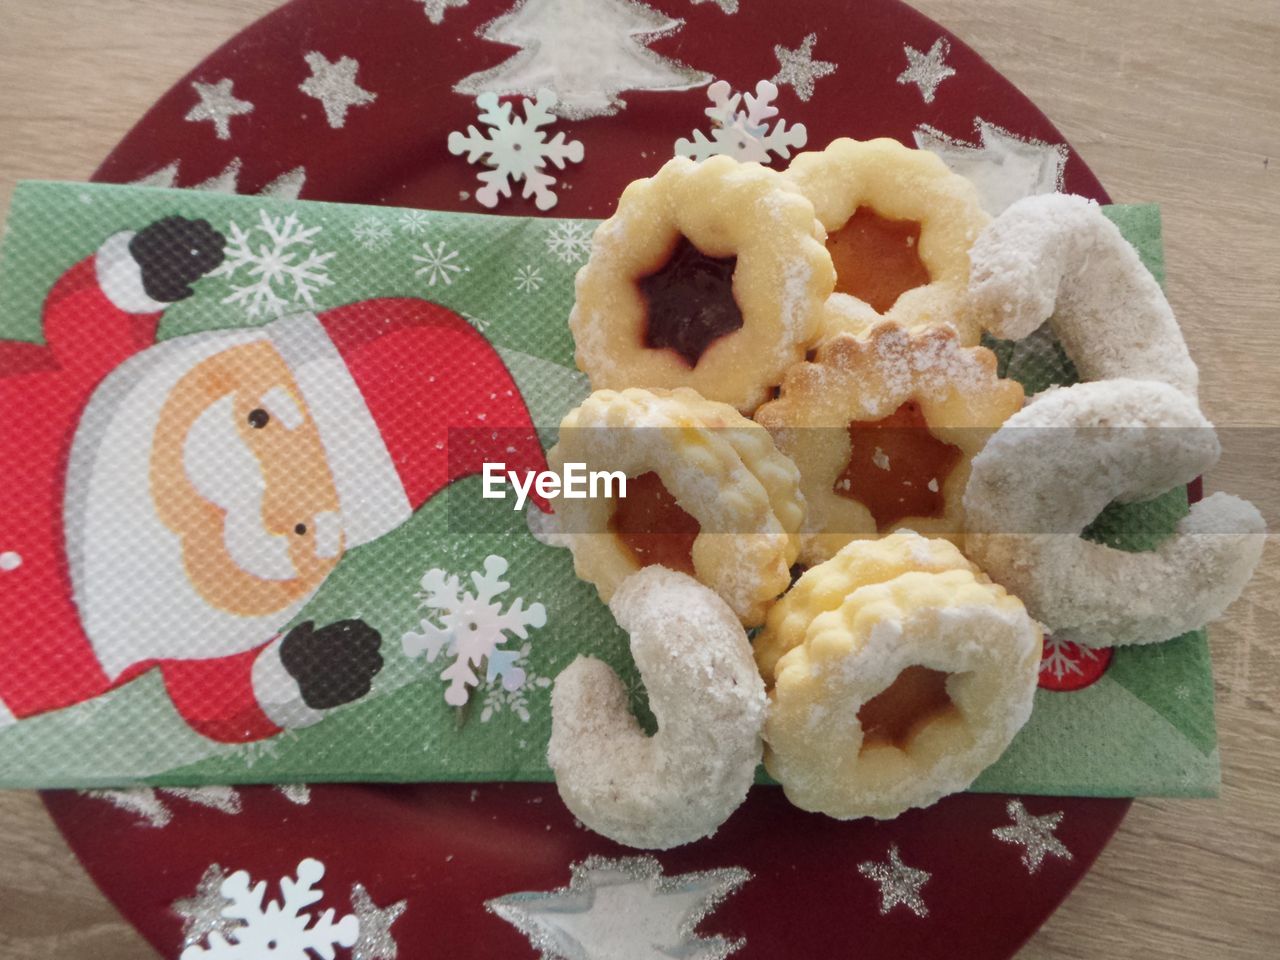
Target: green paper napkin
{"x": 1144, "y": 728}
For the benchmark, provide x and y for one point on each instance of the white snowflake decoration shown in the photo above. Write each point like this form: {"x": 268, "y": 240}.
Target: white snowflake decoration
{"x": 516, "y": 149}
{"x": 414, "y": 222}
{"x": 470, "y": 627}
{"x": 267, "y": 278}
{"x": 282, "y": 928}
{"x": 498, "y": 698}
{"x": 372, "y": 233}
{"x": 439, "y": 264}
{"x": 1058, "y": 659}
{"x": 569, "y": 241}
{"x": 741, "y": 127}
{"x": 528, "y": 279}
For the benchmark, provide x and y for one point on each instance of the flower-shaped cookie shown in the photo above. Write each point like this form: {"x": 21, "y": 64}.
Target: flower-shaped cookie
{"x": 897, "y": 672}
{"x": 711, "y": 276}
{"x": 708, "y": 494}
{"x": 899, "y": 226}
{"x": 883, "y": 429}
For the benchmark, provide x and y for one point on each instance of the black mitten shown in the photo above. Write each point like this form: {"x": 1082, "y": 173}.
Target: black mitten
{"x": 172, "y": 253}
{"x": 333, "y": 665}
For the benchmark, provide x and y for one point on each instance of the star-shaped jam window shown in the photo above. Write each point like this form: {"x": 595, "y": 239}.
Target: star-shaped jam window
{"x": 877, "y": 259}
{"x": 690, "y": 302}
{"x": 897, "y": 468}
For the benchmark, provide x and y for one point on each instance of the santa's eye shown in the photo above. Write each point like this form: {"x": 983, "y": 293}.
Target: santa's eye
{"x": 259, "y": 418}
{"x": 300, "y": 529}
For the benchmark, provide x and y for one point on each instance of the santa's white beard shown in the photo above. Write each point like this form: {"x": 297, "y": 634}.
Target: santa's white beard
{"x": 134, "y": 598}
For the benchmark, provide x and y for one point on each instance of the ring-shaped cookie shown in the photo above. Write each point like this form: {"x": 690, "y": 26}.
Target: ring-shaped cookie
{"x": 1058, "y": 258}
{"x": 883, "y": 429}
{"x": 903, "y": 690}
{"x": 681, "y": 226}
{"x": 683, "y": 782}
{"x": 1052, "y": 468}
{"x": 899, "y": 226}
{"x": 739, "y": 495}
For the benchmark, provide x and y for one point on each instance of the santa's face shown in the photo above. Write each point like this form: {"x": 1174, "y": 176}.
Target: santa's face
{"x": 239, "y": 474}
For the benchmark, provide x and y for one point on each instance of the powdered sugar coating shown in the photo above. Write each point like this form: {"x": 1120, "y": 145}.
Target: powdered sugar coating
{"x": 725, "y": 209}
{"x": 682, "y": 783}
{"x": 898, "y": 183}
{"x": 866, "y": 379}
{"x": 721, "y": 468}
{"x": 1058, "y": 258}
{"x": 946, "y": 616}
{"x": 1049, "y": 471}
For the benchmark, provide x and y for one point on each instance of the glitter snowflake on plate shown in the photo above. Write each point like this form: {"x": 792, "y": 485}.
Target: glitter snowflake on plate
{"x": 498, "y": 698}
{"x": 439, "y": 264}
{"x": 282, "y": 928}
{"x": 372, "y": 233}
{"x": 267, "y": 277}
{"x": 516, "y": 149}
{"x": 741, "y": 127}
{"x": 470, "y": 627}
{"x": 569, "y": 241}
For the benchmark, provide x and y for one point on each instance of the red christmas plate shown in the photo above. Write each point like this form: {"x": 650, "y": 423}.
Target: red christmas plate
{"x": 353, "y": 102}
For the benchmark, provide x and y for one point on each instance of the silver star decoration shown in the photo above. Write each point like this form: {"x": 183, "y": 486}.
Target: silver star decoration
{"x": 624, "y": 908}
{"x": 799, "y": 69}
{"x": 926, "y": 70}
{"x": 334, "y": 85}
{"x": 202, "y": 914}
{"x": 1003, "y": 166}
{"x": 218, "y": 105}
{"x": 435, "y": 9}
{"x": 899, "y": 884}
{"x": 376, "y": 942}
{"x": 1034, "y": 834}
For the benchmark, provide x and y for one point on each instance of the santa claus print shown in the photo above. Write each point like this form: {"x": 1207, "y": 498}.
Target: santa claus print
{"x": 173, "y": 505}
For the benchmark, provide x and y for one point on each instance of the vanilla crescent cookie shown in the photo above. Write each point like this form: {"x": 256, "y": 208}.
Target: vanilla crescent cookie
{"x": 708, "y": 494}
{"x": 883, "y": 428}
{"x": 1052, "y": 468}
{"x": 1058, "y": 258}
{"x": 897, "y": 672}
{"x": 709, "y": 275}
{"x": 682, "y": 783}
{"x": 899, "y": 225}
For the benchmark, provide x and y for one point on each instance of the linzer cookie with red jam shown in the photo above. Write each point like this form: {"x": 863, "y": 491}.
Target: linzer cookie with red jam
{"x": 708, "y": 494}
{"x": 897, "y": 672}
{"x": 710, "y": 275}
{"x": 899, "y": 227}
{"x": 883, "y": 429}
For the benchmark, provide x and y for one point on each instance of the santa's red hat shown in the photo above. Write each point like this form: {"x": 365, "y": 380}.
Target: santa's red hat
{"x": 387, "y": 382}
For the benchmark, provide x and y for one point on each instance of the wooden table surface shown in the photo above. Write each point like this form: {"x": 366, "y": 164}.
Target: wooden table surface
{"x": 1170, "y": 100}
